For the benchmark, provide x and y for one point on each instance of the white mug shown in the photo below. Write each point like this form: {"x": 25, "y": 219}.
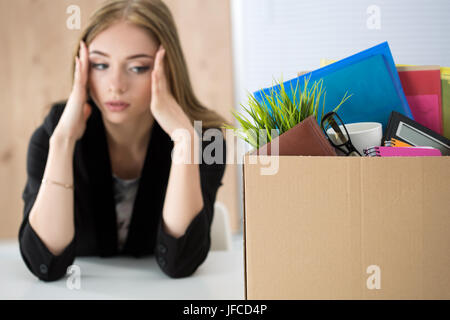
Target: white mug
{"x": 363, "y": 135}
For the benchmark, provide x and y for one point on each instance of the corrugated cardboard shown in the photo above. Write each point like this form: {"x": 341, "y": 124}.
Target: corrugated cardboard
{"x": 316, "y": 228}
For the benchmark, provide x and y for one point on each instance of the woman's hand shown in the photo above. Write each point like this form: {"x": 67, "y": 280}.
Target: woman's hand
{"x": 163, "y": 106}
{"x": 72, "y": 123}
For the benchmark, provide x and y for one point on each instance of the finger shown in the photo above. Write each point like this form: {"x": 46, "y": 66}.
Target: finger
{"x": 77, "y": 71}
{"x": 159, "y": 75}
{"x": 158, "y": 59}
{"x": 155, "y": 84}
{"x": 156, "y": 71}
{"x": 78, "y": 82}
{"x": 78, "y": 67}
{"x": 84, "y": 63}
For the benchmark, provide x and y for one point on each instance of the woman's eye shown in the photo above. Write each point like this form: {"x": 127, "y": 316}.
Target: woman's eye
{"x": 103, "y": 66}
{"x": 99, "y": 66}
{"x": 140, "y": 69}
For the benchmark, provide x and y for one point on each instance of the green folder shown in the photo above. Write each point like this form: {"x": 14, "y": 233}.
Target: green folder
{"x": 445, "y": 90}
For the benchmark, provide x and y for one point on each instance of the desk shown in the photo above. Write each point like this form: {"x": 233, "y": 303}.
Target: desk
{"x": 221, "y": 277}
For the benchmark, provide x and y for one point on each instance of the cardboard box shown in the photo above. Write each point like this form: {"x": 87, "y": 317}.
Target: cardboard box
{"x": 347, "y": 228}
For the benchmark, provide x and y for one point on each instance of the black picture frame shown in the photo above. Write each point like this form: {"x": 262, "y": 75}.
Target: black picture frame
{"x": 397, "y": 119}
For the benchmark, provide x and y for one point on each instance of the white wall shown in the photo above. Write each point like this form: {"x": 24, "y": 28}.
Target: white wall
{"x": 286, "y": 36}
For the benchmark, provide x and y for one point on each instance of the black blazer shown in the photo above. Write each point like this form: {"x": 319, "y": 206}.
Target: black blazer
{"x": 94, "y": 205}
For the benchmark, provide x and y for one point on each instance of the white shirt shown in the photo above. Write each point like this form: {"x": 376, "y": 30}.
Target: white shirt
{"x": 124, "y": 194}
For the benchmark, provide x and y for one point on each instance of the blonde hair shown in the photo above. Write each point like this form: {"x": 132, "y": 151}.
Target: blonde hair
{"x": 154, "y": 17}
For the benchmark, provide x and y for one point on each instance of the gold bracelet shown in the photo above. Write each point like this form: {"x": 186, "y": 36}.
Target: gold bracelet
{"x": 67, "y": 186}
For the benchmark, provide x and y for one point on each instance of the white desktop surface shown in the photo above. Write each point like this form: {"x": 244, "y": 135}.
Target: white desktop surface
{"x": 220, "y": 277}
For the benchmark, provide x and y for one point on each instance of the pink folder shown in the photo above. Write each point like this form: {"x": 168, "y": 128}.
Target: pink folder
{"x": 402, "y": 152}
{"x": 423, "y": 92}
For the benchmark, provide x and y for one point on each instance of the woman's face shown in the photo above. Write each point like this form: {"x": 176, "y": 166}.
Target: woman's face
{"x": 121, "y": 63}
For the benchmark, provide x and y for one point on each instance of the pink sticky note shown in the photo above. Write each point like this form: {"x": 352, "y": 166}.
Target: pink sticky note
{"x": 425, "y": 110}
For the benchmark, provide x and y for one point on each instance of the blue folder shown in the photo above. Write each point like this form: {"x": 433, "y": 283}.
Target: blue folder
{"x": 370, "y": 76}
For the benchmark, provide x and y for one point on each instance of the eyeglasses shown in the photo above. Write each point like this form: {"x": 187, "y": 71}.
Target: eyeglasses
{"x": 341, "y": 138}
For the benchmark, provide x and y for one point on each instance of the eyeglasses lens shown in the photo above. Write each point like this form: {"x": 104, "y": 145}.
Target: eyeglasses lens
{"x": 338, "y": 133}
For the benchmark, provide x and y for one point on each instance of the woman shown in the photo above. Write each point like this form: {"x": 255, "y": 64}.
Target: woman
{"x": 100, "y": 177}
